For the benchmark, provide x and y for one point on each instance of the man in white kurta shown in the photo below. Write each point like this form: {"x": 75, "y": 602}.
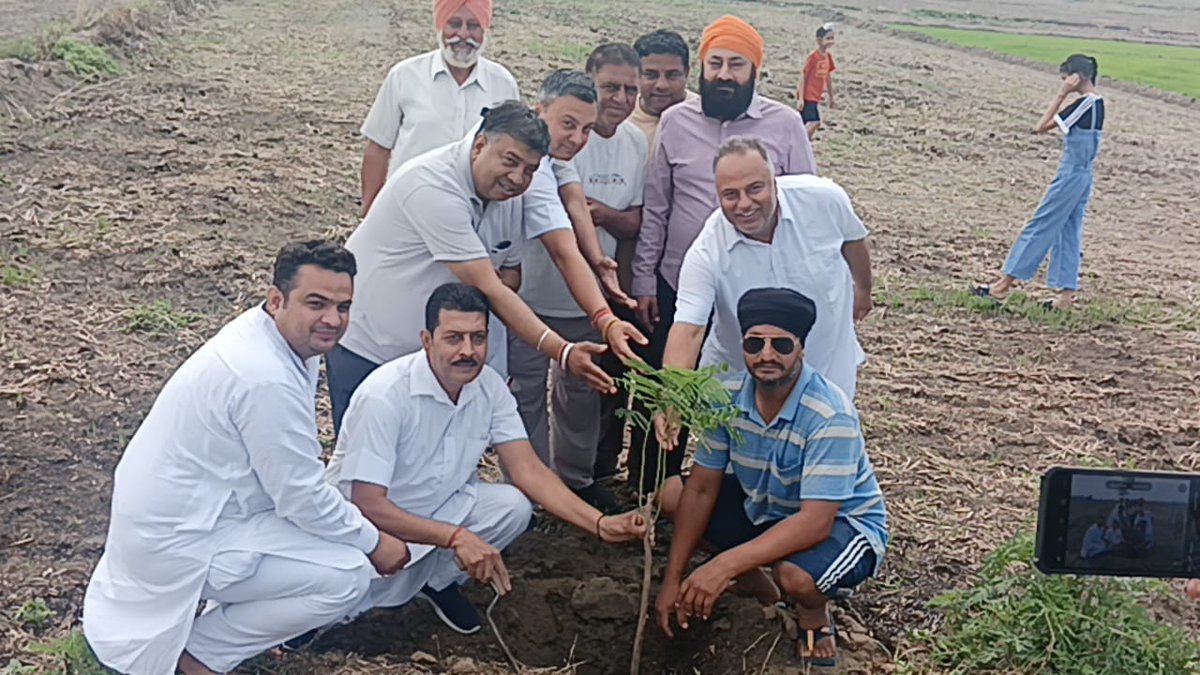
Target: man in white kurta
{"x": 219, "y": 495}
{"x": 407, "y": 455}
{"x": 797, "y": 232}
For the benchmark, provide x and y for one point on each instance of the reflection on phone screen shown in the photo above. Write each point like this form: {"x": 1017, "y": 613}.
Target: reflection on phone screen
{"x": 1131, "y": 524}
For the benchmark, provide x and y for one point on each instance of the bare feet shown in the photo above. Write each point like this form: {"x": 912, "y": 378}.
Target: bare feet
{"x": 758, "y": 585}
{"x": 188, "y": 665}
{"x": 823, "y": 646}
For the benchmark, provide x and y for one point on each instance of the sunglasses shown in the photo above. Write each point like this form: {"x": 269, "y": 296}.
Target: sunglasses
{"x": 780, "y": 345}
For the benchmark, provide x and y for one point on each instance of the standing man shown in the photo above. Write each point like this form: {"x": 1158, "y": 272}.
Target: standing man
{"x": 792, "y": 489}
{"x": 797, "y": 232}
{"x": 666, "y": 63}
{"x": 408, "y": 456}
{"x": 434, "y": 98}
{"x": 815, "y": 79}
{"x": 423, "y": 232}
{"x": 219, "y": 495}
{"x": 612, "y": 170}
{"x": 679, "y": 185}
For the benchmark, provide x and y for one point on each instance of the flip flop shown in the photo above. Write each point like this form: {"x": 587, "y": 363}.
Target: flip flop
{"x": 985, "y": 291}
{"x": 812, "y": 636}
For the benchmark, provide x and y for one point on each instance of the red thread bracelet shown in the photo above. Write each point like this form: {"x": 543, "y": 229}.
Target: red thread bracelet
{"x": 457, "y": 531}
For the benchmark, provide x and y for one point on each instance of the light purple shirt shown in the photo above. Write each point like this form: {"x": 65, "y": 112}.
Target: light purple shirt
{"x": 680, "y": 190}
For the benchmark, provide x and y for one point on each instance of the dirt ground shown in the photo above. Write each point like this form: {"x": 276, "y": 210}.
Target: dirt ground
{"x": 178, "y": 180}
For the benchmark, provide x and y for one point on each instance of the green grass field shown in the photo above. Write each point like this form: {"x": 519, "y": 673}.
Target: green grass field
{"x": 1171, "y": 68}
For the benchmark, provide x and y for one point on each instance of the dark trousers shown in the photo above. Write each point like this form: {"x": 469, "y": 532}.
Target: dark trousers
{"x": 344, "y": 370}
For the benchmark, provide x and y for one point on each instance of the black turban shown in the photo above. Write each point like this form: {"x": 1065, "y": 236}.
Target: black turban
{"x": 779, "y": 307}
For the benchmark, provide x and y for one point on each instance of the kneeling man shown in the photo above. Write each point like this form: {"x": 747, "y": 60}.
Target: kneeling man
{"x": 407, "y": 455}
{"x": 220, "y": 494}
{"x": 801, "y": 497}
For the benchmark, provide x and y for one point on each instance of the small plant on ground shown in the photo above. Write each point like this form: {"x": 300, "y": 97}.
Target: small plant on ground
{"x": 1017, "y": 620}
{"x": 34, "y": 613}
{"x": 159, "y": 318}
{"x": 694, "y": 399}
{"x": 73, "y": 655}
{"x": 15, "y": 667}
{"x": 85, "y": 60}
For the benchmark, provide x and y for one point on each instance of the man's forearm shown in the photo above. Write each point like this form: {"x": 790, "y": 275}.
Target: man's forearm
{"x": 625, "y": 225}
{"x": 581, "y": 281}
{"x": 683, "y": 346}
{"x": 691, "y": 519}
{"x": 795, "y": 533}
{"x": 405, "y": 526}
{"x": 537, "y": 482}
{"x": 587, "y": 240}
{"x": 858, "y": 257}
{"x": 373, "y": 175}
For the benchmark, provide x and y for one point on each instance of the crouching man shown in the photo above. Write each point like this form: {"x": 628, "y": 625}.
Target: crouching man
{"x": 801, "y": 497}
{"x": 407, "y": 455}
{"x": 220, "y": 495}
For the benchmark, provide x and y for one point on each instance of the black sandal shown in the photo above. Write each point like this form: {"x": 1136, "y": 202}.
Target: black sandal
{"x": 811, "y": 636}
{"x": 985, "y": 291}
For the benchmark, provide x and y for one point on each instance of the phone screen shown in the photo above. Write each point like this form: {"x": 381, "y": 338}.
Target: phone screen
{"x": 1123, "y": 523}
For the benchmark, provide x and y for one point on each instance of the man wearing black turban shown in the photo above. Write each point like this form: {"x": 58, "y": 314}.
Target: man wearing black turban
{"x": 801, "y": 498}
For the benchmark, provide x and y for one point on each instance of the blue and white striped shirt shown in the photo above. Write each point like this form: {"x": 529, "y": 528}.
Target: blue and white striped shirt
{"x": 813, "y": 450}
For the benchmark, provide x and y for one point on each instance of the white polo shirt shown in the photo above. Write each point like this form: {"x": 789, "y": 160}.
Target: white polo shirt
{"x": 427, "y": 215}
{"x": 815, "y": 219}
{"x": 404, "y": 433}
{"x": 613, "y": 171}
{"x": 420, "y": 107}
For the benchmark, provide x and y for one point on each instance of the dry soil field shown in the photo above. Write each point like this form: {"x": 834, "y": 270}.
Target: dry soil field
{"x": 138, "y": 215}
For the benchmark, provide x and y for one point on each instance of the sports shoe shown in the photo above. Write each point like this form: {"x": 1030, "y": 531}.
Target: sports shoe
{"x": 600, "y": 497}
{"x": 452, "y": 608}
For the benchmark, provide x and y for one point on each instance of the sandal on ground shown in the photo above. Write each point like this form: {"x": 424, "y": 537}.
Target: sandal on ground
{"x": 1049, "y": 306}
{"x": 985, "y": 291}
{"x": 811, "y": 636}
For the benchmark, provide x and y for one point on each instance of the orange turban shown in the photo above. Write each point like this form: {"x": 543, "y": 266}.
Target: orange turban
{"x": 730, "y": 32}
{"x": 444, "y": 9}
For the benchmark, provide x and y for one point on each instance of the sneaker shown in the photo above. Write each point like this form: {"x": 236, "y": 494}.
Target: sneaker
{"x": 600, "y": 497}
{"x": 452, "y": 608}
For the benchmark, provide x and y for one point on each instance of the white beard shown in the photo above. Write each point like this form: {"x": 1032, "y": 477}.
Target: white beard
{"x": 454, "y": 61}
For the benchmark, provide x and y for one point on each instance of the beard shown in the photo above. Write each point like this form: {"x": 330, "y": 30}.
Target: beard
{"x": 459, "y": 59}
{"x": 726, "y": 101}
{"x": 784, "y": 380}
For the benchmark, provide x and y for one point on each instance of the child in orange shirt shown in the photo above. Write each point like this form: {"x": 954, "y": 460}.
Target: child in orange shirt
{"x": 814, "y": 79}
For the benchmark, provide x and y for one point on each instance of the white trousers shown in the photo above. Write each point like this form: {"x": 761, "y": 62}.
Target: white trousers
{"x": 501, "y": 514}
{"x": 265, "y": 600}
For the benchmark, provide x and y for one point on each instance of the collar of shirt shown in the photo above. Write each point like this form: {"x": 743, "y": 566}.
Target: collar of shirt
{"x": 462, "y": 164}
{"x": 733, "y": 236}
{"x": 745, "y": 402}
{"x": 425, "y": 383}
{"x": 437, "y": 66}
{"x": 267, "y": 323}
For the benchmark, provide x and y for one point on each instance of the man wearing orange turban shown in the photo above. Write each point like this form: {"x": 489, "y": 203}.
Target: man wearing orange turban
{"x": 435, "y": 98}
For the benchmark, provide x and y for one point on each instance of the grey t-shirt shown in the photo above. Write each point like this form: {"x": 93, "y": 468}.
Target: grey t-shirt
{"x": 612, "y": 171}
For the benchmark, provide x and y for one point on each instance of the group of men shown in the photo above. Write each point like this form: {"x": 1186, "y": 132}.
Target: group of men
{"x": 508, "y": 254}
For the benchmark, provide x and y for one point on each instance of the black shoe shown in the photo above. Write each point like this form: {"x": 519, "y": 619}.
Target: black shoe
{"x": 300, "y": 641}
{"x": 452, "y": 608}
{"x": 600, "y": 497}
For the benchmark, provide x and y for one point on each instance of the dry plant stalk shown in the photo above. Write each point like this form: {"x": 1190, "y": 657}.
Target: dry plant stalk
{"x": 694, "y": 399}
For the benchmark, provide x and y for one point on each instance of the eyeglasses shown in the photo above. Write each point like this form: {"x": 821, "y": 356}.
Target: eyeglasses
{"x": 780, "y": 345}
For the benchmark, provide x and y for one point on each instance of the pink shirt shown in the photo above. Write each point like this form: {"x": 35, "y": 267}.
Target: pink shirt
{"x": 680, "y": 189}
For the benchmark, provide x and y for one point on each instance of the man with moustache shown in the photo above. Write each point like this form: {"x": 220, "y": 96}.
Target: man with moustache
{"x": 679, "y": 185}
{"x": 666, "y": 62}
{"x": 434, "y": 98}
{"x": 408, "y": 454}
{"x": 611, "y": 169}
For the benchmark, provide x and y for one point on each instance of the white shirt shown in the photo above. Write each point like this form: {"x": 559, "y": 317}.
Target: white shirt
{"x": 404, "y": 433}
{"x": 427, "y": 215}
{"x": 420, "y": 107}
{"x": 613, "y": 171}
{"x": 226, "y": 460}
{"x": 815, "y": 219}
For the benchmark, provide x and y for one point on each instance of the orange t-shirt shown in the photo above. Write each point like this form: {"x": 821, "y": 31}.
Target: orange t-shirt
{"x": 816, "y": 73}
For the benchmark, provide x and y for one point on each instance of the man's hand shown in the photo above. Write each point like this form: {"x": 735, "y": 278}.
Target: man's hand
{"x": 700, "y": 592}
{"x": 666, "y": 429}
{"x": 618, "y": 339}
{"x": 602, "y": 214}
{"x": 647, "y": 311}
{"x": 625, "y": 527}
{"x": 481, "y": 560}
{"x": 390, "y": 555}
{"x": 610, "y": 281}
{"x": 863, "y": 303}
{"x": 581, "y": 365}
{"x": 668, "y": 604}
{"x": 1193, "y": 589}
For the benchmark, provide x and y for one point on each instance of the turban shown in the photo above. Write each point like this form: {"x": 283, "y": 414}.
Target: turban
{"x": 444, "y": 9}
{"x": 730, "y": 32}
{"x": 779, "y": 307}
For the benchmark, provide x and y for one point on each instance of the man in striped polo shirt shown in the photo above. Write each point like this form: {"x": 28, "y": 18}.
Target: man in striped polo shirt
{"x": 801, "y": 497}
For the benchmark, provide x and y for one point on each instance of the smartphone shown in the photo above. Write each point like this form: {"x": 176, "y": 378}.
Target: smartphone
{"x": 1119, "y": 523}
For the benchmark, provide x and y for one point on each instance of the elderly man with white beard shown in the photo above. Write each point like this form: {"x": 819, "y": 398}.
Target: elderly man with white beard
{"x": 434, "y": 98}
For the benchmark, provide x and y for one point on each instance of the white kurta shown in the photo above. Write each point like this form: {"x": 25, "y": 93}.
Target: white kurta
{"x": 226, "y": 460}
{"x": 805, "y": 255}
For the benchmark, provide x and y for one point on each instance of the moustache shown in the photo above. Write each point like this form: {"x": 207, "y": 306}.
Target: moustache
{"x": 460, "y": 40}
{"x": 465, "y": 363}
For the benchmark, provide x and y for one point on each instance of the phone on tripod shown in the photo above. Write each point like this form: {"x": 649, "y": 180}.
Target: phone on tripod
{"x": 1119, "y": 523}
